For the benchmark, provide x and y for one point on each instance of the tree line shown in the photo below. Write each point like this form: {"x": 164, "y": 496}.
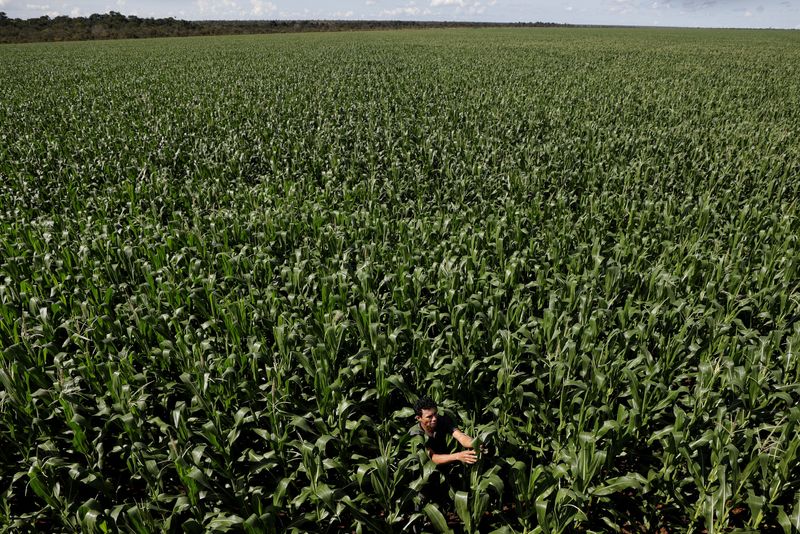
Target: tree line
{"x": 114, "y": 25}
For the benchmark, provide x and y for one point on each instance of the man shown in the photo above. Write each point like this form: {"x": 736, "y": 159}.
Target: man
{"x": 435, "y": 428}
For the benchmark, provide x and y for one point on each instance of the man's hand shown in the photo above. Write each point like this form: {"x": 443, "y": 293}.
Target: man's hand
{"x": 468, "y": 456}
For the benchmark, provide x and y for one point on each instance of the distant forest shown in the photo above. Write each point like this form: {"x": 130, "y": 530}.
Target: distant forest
{"x": 115, "y": 25}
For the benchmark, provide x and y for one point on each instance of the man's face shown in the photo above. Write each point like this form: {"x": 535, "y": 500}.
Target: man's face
{"x": 428, "y": 420}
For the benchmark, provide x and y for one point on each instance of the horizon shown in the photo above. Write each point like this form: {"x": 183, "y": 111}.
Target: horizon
{"x": 731, "y": 14}
{"x": 523, "y": 23}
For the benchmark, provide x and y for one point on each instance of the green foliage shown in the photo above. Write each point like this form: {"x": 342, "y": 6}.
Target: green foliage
{"x": 114, "y": 25}
{"x": 229, "y": 265}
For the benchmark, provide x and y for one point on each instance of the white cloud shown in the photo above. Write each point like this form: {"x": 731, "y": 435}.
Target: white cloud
{"x": 43, "y": 9}
{"x": 216, "y": 7}
{"x": 260, "y": 7}
{"x": 305, "y": 13}
{"x": 370, "y": 2}
{"x": 622, "y": 7}
{"x": 343, "y": 14}
{"x": 462, "y": 6}
{"x": 75, "y": 12}
{"x": 401, "y": 11}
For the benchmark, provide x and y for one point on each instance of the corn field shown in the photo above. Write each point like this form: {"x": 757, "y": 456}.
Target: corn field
{"x": 229, "y": 265}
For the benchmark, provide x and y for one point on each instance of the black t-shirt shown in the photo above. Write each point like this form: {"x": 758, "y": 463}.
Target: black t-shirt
{"x": 437, "y": 443}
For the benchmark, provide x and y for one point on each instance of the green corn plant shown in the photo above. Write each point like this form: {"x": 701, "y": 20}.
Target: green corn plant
{"x": 223, "y": 277}
{"x": 388, "y": 479}
{"x": 485, "y": 486}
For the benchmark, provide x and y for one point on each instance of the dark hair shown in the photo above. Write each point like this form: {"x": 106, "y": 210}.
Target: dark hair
{"x": 424, "y": 403}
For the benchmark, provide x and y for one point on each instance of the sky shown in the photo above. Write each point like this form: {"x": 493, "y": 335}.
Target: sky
{"x": 688, "y": 13}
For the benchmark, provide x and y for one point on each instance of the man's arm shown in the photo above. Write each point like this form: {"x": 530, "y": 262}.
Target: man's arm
{"x": 468, "y": 457}
{"x": 462, "y": 438}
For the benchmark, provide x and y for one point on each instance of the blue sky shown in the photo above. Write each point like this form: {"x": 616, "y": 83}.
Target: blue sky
{"x": 710, "y": 13}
